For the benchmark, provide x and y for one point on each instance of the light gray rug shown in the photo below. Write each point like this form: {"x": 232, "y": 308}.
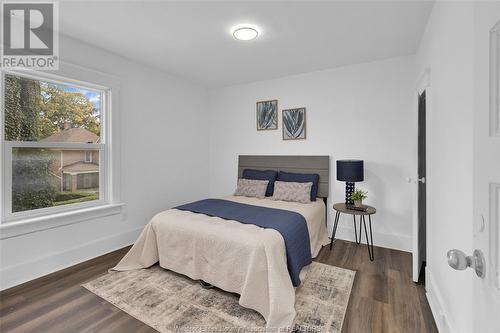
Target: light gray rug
{"x": 170, "y": 302}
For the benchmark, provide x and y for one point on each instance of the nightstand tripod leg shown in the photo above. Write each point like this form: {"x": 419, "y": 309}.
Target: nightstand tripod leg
{"x": 371, "y": 236}
{"x": 337, "y": 214}
{"x": 360, "y": 235}
{"x": 355, "y": 230}
{"x": 369, "y": 242}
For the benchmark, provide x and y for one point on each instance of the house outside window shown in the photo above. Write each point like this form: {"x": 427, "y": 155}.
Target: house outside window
{"x": 53, "y": 145}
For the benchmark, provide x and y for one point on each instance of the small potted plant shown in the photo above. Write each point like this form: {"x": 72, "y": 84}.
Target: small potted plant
{"x": 358, "y": 197}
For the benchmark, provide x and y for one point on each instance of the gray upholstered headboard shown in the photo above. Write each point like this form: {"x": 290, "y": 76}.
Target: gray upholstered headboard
{"x": 290, "y": 163}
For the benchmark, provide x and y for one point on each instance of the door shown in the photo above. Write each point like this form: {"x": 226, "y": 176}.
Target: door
{"x": 486, "y": 290}
{"x": 485, "y": 259}
{"x": 419, "y": 181}
{"x": 422, "y": 197}
{"x": 67, "y": 182}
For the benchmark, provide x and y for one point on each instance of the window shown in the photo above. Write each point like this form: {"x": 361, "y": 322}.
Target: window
{"x": 88, "y": 157}
{"x": 53, "y": 145}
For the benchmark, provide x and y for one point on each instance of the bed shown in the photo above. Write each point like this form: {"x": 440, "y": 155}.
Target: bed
{"x": 240, "y": 258}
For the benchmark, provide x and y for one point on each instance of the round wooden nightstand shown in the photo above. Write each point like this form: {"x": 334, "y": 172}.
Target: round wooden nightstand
{"x": 342, "y": 208}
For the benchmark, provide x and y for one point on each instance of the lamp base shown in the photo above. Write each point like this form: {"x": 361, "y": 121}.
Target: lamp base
{"x": 349, "y": 190}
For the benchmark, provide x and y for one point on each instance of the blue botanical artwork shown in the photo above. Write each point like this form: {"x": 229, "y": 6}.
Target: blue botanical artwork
{"x": 267, "y": 115}
{"x": 294, "y": 124}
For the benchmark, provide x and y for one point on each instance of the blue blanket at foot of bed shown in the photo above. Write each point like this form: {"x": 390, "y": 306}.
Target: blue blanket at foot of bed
{"x": 291, "y": 225}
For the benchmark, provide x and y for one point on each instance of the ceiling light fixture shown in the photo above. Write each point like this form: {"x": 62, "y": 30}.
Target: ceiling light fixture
{"x": 245, "y": 32}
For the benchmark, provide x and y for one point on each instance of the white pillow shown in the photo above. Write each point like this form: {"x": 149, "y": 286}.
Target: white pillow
{"x": 251, "y": 188}
{"x": 291, "y": 191}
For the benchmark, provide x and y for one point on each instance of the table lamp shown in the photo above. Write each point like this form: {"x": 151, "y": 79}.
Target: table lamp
{"x": 350, "y": 171}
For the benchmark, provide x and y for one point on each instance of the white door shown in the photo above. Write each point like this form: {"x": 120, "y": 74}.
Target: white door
{"x": 486, "y": 290}
{"x": 485, "y": 302}
{"x": 485, "y": 260}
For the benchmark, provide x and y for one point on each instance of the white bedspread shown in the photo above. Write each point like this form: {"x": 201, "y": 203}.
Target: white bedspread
{"x": 236, "y": 257}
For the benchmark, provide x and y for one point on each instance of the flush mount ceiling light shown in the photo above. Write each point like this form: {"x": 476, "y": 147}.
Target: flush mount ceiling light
{"x": 245, "y": 32}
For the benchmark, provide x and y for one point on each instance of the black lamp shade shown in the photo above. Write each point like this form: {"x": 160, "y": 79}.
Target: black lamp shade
{"x": 350, "y": 170}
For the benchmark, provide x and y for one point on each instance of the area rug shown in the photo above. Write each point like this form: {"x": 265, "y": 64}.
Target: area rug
{"x": 170, "y": 302}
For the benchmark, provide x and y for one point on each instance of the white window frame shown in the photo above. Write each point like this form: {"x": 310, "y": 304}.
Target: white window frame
{"x": 13, "y": 224}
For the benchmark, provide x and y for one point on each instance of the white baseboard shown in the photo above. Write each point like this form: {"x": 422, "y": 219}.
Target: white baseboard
{"x": 396, "y": 242}
{"x": 14, "y": 275}
{"x": 441, "y": 315}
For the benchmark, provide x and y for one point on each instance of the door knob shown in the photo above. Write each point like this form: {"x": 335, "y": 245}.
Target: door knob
{"x": 416, "y": 181}
{"x": 459, "y": 261}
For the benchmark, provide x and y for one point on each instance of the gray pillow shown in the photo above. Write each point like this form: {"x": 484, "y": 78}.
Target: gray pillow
{"x": 251, "y": 188}
{"x": 291, "y": 191}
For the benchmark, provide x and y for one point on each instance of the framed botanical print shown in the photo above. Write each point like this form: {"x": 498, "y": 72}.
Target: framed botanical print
{"x": 267, "y": 115}
{"x": 294, "y": 124}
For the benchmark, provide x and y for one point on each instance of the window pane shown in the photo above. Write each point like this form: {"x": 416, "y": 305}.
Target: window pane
{"x": 44, "y": 111}
{"x": 53, "y": 177}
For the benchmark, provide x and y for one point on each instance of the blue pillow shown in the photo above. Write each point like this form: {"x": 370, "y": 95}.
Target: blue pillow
{"x": 301, "y": 178}
{"x": 270, "y": 175}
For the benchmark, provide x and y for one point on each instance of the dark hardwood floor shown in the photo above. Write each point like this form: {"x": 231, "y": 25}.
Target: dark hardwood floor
{"x": 383, "y": 299}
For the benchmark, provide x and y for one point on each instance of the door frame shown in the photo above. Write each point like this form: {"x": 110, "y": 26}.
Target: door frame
{"x": 423, "y": 84}
{"x": 494, "y": 190}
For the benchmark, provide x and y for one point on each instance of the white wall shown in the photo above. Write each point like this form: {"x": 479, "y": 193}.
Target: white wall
{"x": 446, "y": 50}
{"x": 164, "y": 160}
{"x": 363, "y": 111}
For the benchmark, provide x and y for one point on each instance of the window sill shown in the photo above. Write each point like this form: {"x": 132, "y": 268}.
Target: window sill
{"x": 30, "y": 225}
